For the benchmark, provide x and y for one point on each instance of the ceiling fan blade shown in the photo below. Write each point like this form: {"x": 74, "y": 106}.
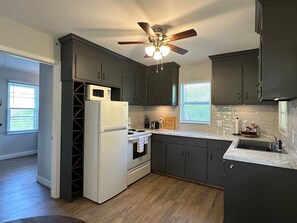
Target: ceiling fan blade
{"x": 147, "y": 29}
{"x": 132, "y": 42}
{"x": 177, "y": 49}
{"x": 181, "y": 35}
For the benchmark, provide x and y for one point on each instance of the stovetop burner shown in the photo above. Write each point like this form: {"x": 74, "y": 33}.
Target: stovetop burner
{"x": 141, "y": 130}
{"x": 130, "y": 133}
{"x": 131, "y": 130}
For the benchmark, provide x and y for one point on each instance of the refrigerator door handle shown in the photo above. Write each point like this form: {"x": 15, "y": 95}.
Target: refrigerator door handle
{"x": 111, "y": 129}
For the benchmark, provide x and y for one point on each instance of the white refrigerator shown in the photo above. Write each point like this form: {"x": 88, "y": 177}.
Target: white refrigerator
{"x": 105, "y": 149}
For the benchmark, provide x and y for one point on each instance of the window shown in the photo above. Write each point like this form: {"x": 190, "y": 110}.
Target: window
{"x": 195, "y": 103}
{"x": 22, "y": 114}
{"x": 283, "y": 117}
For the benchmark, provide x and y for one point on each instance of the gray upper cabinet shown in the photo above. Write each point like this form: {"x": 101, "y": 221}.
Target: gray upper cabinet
{"x": 111, "y": 69}
{"x": 276, "y": 22}
{"x": 235, "y": 78}
{"x": 134, "y": 84}
{"x": 88, "y": 62}
{"x": 162, "y": 87}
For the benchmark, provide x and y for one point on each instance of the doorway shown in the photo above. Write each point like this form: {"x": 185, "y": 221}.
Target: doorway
{"x": 48, "y": 135}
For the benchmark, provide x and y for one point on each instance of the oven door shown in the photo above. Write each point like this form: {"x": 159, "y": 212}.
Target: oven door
{"x": 135, "y": 158}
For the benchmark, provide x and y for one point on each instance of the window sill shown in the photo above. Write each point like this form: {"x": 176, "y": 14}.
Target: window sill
{"x": 22, "y": 132}
{"x": 193, "y": 122}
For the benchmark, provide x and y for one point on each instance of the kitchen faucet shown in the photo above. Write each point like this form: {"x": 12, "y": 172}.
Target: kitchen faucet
{"x": 278, "y": 143}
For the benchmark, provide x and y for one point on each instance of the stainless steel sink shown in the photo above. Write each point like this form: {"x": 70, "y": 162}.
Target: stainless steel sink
{"x": 258, "y": 145}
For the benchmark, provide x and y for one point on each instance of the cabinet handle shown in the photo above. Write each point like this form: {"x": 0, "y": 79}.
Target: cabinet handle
{"x": 183, "y": 153}
{"x": 239, "y": 97}
{"x": 99, "y": 75}
{"x": 220, "y": 146}
{"x": 258, "y": 85}
{"x": 103, "y": 76}
{"x": 246, "y": 96}
{"x": 188, "y": 153}
{"x": 231, "y": 166}
{"x": 211, "y": 156}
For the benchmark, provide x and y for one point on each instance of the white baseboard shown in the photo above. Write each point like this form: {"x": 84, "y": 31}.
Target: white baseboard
{"x": 43, "y": 181}
{"x": 15, "y": 155}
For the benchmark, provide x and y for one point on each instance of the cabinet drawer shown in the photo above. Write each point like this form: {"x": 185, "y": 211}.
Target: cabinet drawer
{"x": 159, "y": 138}
{"x": 219, "y": 144}
{"x": 176, "y": 140}
{"x": 196, "y": 142}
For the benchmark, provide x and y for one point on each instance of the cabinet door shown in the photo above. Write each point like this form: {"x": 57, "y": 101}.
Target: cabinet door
{"x": 263, "y": 193}
{"x": 158, "y": 156}
{"x": 250, "y": 79}
{"x": 140, "y": 85}
{"x": 175, "y": 160}
{"x": 152, "y": 87}
{"x": 165, "y": 91}
{"x": 87, "y": 63}
{"x": 196, "y": 164}
{"x": 111, "y": 71}
{"x": 215, "y": 167}
{"x": 227, "y": 86}
{"x": 279, "y": 50}
{"x": 128, "y": 87}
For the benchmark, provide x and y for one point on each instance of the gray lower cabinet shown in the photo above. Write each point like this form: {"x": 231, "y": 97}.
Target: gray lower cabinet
{"x": 195, "y": 168}
{"x": 199, "y": 160}
{"x": 158, "y": 153}
{"x": 215, "y": 167}
{"x": 259, "y": 194}
{"x": 175, "y": 160}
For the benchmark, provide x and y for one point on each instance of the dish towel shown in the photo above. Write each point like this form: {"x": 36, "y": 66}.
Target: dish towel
{"x": 145, "y": 139}
{"x": 140, "y": 144}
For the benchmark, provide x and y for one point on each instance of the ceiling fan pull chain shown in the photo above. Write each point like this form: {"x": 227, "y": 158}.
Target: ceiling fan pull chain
{"x": 162, "y": 63}
{"x": 157, "y": 71}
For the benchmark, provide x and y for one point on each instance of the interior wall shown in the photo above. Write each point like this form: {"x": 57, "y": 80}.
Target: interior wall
{"x": 45, "y": 125}
{"x": 23, "y": 38}
{"x": 19, "y": 144}
{"x": 266, "y": 116}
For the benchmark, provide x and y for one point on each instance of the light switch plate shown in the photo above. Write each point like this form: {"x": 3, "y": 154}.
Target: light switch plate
{"x": 219, "y": 123}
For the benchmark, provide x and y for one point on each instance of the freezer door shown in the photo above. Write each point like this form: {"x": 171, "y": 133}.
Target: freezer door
{"x": 106, "y": 115}
{"x": 112, "y": 164}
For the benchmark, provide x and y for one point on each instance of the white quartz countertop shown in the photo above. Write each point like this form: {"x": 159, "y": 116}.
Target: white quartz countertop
{"x": 244, "y": 155}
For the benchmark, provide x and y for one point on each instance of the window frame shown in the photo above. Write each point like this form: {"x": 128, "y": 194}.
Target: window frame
{"x": 36, "y": 109}
{"x": 182, "y": 104}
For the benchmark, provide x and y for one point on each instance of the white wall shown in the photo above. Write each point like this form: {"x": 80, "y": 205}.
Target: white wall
{"x": 45, "y": 125}
{"x": 23, "y": 38}
{"x": 11, "y": 145}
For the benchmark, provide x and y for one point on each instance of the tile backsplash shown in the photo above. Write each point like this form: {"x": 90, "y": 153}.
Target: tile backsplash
{"x": 266, "y": 116}
{"x": 291, "y": 138}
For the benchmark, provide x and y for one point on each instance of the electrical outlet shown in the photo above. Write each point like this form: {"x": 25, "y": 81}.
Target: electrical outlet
{"x": 293, "y": 136}
{"x": 219, "y": 123}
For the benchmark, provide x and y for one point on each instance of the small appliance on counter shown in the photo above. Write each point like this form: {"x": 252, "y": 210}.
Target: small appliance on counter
{"x": 155, "y": 125}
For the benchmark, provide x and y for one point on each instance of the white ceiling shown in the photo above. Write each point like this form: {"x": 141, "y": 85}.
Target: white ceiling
{"x": 222, "y": 25}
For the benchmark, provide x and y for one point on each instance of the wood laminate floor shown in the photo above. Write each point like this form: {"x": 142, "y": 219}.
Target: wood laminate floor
{"x": 155, "y": 198}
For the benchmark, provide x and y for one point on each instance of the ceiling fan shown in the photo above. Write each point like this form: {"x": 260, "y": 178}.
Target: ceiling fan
{"x": 159, "y": 42}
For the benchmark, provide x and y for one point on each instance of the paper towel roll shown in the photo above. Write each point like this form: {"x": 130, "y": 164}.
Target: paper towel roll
{"x": 237, "y": 126}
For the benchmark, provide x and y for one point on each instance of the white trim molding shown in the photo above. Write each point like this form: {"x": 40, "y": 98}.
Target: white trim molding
{"x": 20, "y": 154}
{"x": 44, "y": 181}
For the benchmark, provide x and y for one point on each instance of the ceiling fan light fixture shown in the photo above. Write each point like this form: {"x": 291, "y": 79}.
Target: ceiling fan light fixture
{"x": 150, "y": 50}
{"x": 165, "y": 50}
{"x": 157, "y": 55}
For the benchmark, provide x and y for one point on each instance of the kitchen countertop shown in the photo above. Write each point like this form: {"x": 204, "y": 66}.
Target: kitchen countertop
{"x": 282, "y": 160}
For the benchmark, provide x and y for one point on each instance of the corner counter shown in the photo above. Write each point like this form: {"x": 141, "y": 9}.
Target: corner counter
{"x": 281, "y": 160}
